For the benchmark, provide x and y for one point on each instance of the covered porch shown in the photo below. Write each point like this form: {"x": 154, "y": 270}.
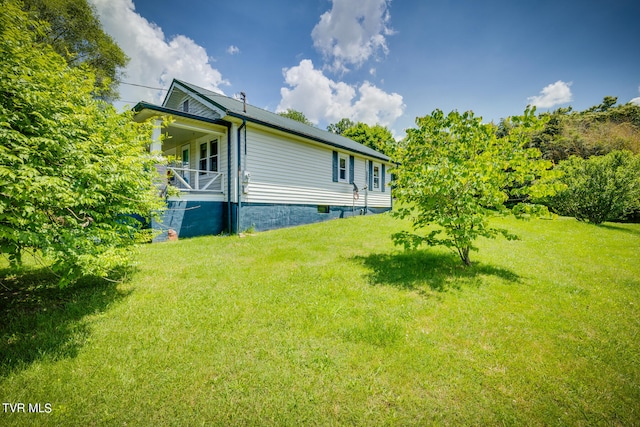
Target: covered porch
{"x": 195, "y": 169}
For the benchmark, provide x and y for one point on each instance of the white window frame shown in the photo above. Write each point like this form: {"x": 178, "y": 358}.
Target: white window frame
{"x": 344, "y": 157}
{"x": 376, "y": 176}
{"x": 209, "y": 156}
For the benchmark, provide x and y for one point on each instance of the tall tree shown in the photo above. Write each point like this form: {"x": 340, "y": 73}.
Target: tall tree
{"x": 377, "y": 137}
{"x": 296, "y": 115}
{"x": 607, "y": 103}
{"x": 74, "y": 31}
{"x": 73, "y": 171}
{"x": 341, "y": 126}
{"x": 456, "y": 173}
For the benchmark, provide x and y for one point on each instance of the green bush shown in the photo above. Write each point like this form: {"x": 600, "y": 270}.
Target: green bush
{"x": 599, "y": 189}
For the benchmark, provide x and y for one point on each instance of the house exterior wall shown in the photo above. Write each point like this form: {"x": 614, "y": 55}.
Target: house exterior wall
{"x": 190, "y": 217}
{"x": 292, "y": 178}
{"x": 288, "y": 170}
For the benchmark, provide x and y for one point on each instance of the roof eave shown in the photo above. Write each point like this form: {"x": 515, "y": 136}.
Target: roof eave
{"x": 237, "y": 115}
{"x": 140, "y": 106}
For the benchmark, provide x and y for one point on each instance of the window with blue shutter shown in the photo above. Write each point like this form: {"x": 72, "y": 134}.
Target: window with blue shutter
{"x": 344, "y": 169}
{"x": 370, "y": 174}
{"x": 383, "y": 177}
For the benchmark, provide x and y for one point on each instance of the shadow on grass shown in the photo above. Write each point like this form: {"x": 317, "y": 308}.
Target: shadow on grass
{"x": 423, "y": 270}
{"x": 618, "y": 228}
{"x": 39, "y": 320}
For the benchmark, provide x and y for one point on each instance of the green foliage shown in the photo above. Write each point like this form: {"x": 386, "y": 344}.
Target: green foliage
{"x": 599, "y": 189}
{"x": 75, "y": 33}
{"x": 377, "y": 137}
{"x": 594, "y": 132}
{"x": 455, "y": 172}
{"x": 341, "y": 126}
{"x": 73, "y": 171}
{"x": 296, "y": 115}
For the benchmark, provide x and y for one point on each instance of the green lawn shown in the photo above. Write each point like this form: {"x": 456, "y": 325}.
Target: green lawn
{"x": 330, "y": 324}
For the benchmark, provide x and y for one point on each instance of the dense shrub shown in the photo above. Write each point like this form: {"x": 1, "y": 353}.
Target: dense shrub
{"x": 598, "y": 189}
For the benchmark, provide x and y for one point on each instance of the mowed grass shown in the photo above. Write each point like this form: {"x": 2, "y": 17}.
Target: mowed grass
{"x": 330, "y": 324}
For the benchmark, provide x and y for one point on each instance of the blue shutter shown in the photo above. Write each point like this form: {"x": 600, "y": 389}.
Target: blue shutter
{"x": 351, "y": 169}
{"x": 382, "y": 178}
{"x": 335, "y": 166}
{"x": 370, "y": 175}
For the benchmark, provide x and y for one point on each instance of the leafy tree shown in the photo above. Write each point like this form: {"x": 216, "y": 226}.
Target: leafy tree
{"x": 74, "y": 31}
{"x": 341, "y": 126}
{"x": 296, "y": 115}
{"x": 73, "y": 171}
{"x": 456, "y": 173}
{"x": 607, "y": 103}
{"x": 377, "y": 137}
{"x": 599, "y": 189}
{"x": 594, "y": 132}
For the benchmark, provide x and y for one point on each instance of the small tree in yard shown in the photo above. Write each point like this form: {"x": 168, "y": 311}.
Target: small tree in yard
{"x": 73, "y": 171}
{"x": 454, "y": 172}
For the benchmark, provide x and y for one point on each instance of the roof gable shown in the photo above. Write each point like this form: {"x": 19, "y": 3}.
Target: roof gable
{"x": 235, "y": 108}
{"x": 198, "y": 105}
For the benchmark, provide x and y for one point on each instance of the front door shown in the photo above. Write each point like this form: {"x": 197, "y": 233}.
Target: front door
{"x": 185, "y": 162}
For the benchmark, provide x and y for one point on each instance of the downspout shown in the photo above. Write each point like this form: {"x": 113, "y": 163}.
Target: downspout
{"x": 229, "y": 220}
{"x": 238, "y": 189}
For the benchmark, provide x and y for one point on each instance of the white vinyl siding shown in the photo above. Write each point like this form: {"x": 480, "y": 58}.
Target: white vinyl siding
{"x": 294, "y": 171}
{"x": 195, "y": 107}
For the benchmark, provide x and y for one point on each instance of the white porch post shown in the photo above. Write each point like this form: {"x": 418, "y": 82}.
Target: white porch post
{"x": 156, "y": 144}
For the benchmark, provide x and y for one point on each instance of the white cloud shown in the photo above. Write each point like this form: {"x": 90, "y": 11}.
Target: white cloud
{"x": 232, "y": 50}
{"x": 321, "y": 98}
{"x": 154, "y": 60}
{"x": 352, "y": 31}
{"x": 554, "y": 94}
{"x": 636, "y": 100}
{"x": 377, "y": 106}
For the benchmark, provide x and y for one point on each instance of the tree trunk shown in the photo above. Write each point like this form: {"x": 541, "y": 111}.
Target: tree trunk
{"x": 464, "y": 255}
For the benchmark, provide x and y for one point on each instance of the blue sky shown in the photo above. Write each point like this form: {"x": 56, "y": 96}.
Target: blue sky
{"x": 383, "y": 61}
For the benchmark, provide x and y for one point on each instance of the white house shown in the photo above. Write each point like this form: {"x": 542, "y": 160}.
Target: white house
{"x": 240, "y": 167}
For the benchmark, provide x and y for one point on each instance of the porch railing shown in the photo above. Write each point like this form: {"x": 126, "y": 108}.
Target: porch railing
{"x": 195, "y": 180}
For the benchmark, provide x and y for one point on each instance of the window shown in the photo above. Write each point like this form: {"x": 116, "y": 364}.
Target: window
{"x": 342, "y": 168}
{"x": 323, "y": 209}
{"x": 185, "y": 163}
{"x": 208, "y": 157}
{"x": 185, "y": 106}
{"x": 213, "y": 155}
{"x": 203, "y": 158}
{"x": 376, "y": 177}
{"x": 185, "y": 157}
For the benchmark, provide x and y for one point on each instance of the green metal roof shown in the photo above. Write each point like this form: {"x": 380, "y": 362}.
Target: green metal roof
{"x": 235, "y": 108}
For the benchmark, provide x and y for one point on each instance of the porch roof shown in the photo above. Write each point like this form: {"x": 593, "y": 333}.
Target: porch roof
{"x": 145, "y": 110}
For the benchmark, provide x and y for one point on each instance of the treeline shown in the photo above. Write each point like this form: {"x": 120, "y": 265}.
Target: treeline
{"x": 597, "y": 155}
{"x": 596, "y": 131}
